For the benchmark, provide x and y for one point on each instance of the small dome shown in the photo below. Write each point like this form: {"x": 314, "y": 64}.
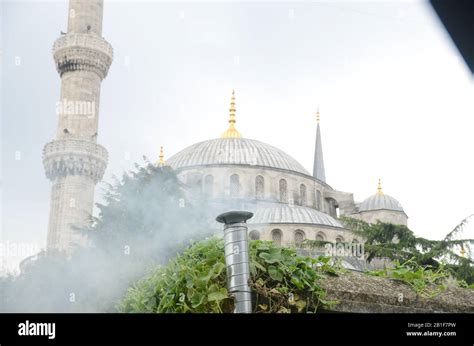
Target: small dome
{"x": 235, "y": 151}
{"x": 380, "y": 201}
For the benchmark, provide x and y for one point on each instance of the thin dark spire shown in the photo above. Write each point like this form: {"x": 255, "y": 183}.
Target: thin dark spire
{"x": 318, "y": 167}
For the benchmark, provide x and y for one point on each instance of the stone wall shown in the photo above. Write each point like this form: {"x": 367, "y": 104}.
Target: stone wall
{"x": 361, "y": 293}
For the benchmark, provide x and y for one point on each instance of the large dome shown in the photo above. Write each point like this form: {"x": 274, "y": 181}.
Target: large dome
{"x": 235, "y": 151}
{"x": 380, "y": 201}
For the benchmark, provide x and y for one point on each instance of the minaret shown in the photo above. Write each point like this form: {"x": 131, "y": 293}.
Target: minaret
{"x": 74, "y": 162}
{"x": 318, "y": 166}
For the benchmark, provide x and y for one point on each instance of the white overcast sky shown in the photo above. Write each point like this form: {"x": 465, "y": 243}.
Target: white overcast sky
{"x": 396, "y": 99}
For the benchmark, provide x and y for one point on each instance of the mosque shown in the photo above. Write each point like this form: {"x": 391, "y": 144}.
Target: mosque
{"x": 289, "y": 204}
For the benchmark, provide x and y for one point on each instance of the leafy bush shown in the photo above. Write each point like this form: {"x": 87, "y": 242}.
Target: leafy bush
{"x": 195, "y": 281}
{"x": 399, "y": 243}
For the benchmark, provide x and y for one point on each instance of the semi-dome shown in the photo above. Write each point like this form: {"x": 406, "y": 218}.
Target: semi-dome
{"x": 235, "y": 151}
{"x": 380, "y": 201}
{"x": 283, "y": 213}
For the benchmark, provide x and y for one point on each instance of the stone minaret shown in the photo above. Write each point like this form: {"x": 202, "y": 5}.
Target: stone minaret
{"x": 74, "y": 162}
{"x": 318, "y": 165}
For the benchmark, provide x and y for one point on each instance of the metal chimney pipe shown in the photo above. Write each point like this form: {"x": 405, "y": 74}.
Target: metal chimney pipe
{"x": 236, "y": 247}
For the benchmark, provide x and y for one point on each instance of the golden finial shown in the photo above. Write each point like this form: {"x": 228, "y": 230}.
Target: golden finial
{"x": 463, "y": 252}
{"x": 232, "y": 108}
{"x": 161, "y": 162}
{"x": 232, "y": 131}
{"x": 317, "y": 115}
{"x": 379, "y": 188}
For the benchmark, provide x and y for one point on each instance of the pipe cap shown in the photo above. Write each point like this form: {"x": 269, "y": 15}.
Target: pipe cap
{"x": 231, "y": 217}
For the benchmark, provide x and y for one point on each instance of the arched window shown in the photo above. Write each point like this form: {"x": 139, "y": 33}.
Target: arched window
{"x": 254, "y": 235}
{"x": 283, "y": 191}
{"x": 299, "y": 236}
{"x": 196, "y": 185}
{"x": 234, "y": 185}
{"x": 303, "y": 195}
{"x": 320, "y": 236}
{"x": 209, "y": 185}
{"x": 339, "y": 239}
{"x": 318, "y": 200}
{"x": 259, "y": 187}
{"x": 355, "y": 241}
{"x": 276, "y": 236}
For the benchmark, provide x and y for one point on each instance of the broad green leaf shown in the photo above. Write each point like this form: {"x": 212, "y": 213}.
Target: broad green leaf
{"x": 272, "y": 256}
{"x": 297, "y": 282}
{"x": 218, "y": 295}
{"x": 217, "y": 269}
{"x": 197, "y": 299}
{"x": 275, "y": 273}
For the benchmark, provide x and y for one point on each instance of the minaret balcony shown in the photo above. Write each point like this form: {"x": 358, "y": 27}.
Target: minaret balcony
{"x": 74, "y": 157}
{"x": 82, "y": 52}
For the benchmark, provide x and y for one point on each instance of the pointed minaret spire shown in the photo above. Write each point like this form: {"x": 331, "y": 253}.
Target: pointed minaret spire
{"x": 232, "y": 132}
{"x": 318, "y": 167}
{"x": 161, "y": 162}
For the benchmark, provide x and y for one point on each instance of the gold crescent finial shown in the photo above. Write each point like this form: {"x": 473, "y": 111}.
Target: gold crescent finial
{"x": 232, "y": 131}
{"x": 463, "y": 252}
{"x": 161, "y": 162}
{"x": 379, "y": 187}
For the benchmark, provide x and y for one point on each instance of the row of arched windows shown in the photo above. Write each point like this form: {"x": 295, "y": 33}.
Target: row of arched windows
{"x": 234, "y": 184}
{"x": 283, "y": 193}
{"x": 277, "y": 235}
{"x": 303, "y": 199}
{"x": 299, "y": 236}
